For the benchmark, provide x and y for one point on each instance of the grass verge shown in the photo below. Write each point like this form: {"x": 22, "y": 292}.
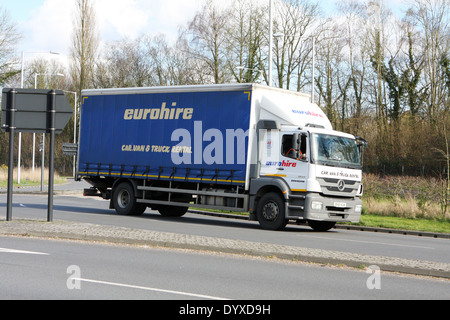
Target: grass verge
{"x": 400, "y": 223}
{"x": 404, "y": 203}
{"x": 28, "y": 178}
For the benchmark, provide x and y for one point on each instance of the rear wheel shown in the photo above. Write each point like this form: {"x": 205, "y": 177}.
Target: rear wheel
{"x": 270, "y": 212}
{"x": 124, "y": 201}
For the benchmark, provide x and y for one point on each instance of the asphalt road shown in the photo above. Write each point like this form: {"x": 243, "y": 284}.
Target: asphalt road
{"x": 41, "y": 269}
{"x": 96, "y": 211}
{"x": 47, "y": 269}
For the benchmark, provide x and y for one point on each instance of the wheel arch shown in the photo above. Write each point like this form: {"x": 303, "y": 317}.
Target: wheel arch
{"x": 262, "y": 186}
{"x": 117, "y": 182}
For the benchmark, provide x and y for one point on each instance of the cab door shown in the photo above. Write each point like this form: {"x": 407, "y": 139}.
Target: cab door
{"x": 295, "y": 159}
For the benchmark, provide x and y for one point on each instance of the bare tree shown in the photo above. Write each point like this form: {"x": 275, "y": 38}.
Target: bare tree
{"x": 412, "y": 76}
{"x": 297, "y": 22}
{"x": 332, "y": 80}
{"x": 206, "y": 38}
{"x": 42, "y": 73}
{"x": 358, "y": 58}
{"x": 85, "y": 44}
{"x": 161, "y": 56}
{"x": 9, "y": 37}
{"x": 245, "y": 35}
{"x": 433, "y": 17}
{"x": 124, "y": 63}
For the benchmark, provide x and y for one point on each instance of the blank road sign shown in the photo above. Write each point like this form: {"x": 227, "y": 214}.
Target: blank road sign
{"x": 32, "y": 108}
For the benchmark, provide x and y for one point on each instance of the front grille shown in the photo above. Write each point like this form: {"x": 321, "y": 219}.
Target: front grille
{"x": 337, "y": 209}
{"x": 330, "y": 187}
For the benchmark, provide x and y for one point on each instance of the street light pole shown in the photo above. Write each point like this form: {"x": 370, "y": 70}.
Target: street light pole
{"x": 74, "y": 128}
{"x": 270, "y": 41}
{"x": 313, "y": 68}
{"x": 20, "y": 133}
{"x": 43, "y": 135}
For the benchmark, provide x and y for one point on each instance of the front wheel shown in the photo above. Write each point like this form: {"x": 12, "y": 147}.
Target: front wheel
{"x": 270, "y": 212}
{"x": 171, "y": 211}
{"x": 124, "y": 201}
{"x": 321, "y": 226}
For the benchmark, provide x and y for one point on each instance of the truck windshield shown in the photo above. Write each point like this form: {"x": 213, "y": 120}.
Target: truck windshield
{"x": 335, "y": 151}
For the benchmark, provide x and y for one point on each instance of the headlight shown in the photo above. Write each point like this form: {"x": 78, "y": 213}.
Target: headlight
{"x": 316, "y": 205}
{"x": 358, "y": 209}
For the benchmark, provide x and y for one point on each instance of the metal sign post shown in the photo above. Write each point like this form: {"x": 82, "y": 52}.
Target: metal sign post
{"x": 11, "y": 120}
{"x": 51, "y": 115}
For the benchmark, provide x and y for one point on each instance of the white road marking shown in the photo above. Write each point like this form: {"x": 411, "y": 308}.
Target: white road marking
{"x": 4, "y": 250}
{"x": 151, "y": 289}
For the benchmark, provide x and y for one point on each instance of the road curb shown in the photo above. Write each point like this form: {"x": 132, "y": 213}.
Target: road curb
{"x": 64, "y": 230}
{"x": 395, "y": 231}
{"x": 341, "y": 226}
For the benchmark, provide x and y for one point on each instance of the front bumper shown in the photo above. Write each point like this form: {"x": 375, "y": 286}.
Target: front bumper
{"x": 320, "y": 208}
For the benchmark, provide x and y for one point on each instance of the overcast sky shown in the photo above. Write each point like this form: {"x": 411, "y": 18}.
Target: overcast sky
{"x": 46, "y": 25}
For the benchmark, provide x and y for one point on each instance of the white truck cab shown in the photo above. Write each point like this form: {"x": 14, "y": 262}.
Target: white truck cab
{"x": 319, "y": 168}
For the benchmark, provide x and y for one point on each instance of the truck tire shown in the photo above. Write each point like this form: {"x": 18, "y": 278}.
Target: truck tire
{"x": 270, "y": 212}
{"x": 321, "y": 226}
{"x": 171, "y": 211}
{"x": 124, "y": 201}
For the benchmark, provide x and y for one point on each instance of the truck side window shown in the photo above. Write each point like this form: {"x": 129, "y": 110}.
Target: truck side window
{"x": 286, "y": 147}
